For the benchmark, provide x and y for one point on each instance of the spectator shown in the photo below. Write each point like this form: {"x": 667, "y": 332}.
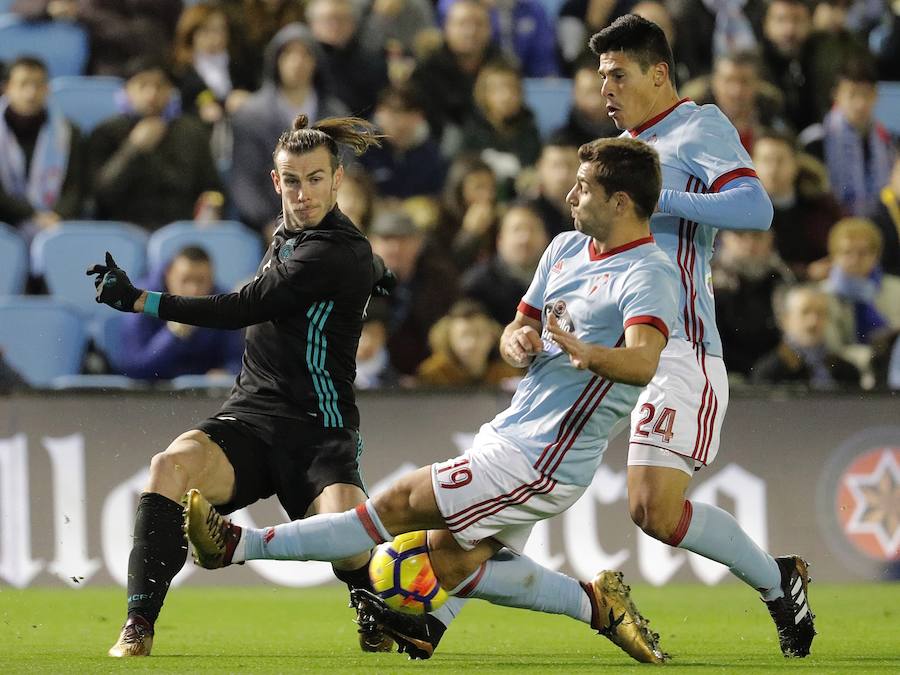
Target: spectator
{"x": 659, "y": 13}
{"x": 211, "y": 78}
{"x": 802, "y": 357}
{"x": 502, "y": 129}
{"x": 464, "y": 350}
{"x": 556, "y": 169}
{"x": 523, "y": 32}
{"x": 709, "y": 28}
{"x": 409, "y": 161}
{"x": 833, "y": 44}
{"x": 887, "y": 217}
{"x": 373, "y": 362}
{"x": 357, "y": 195}
{"x": 446, "y": 77}
{"x": 292, "y": 85}
{"x": 398, "y": 25}
{"x": 747, "y": 101}
{"x": 150, "y": 165}
{"x": 426, "y": 287}
{"x": 588, "y": 117}
{"x": 855, "y": 147}
{"x": 864, "y": 300}
{"x": 886, "y": 39}
{"x": 356, "y": 75}
{"x": 787, "y": 58}
{"x": 41, "y": 153}
{"x": 499, "y": 283}
{"x": 804, "y": 209}
{"x": 468, "y": 216}
{"x": 745, "y": 274}
{"x": 578, "y": 20}
{"x": 154, "y": 349}
{"x": 255, "y": 24}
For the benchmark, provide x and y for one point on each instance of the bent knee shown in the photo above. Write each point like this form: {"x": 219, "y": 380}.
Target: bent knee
{"x": 656, "y": 519}
{"x": 182, "y": 460}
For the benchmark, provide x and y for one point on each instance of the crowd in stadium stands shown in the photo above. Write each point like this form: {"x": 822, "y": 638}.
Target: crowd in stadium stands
{"x": 467, "y": 191}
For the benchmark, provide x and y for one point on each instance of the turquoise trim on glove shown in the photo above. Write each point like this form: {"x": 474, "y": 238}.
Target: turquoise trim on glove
{"x": 151, "y": 304}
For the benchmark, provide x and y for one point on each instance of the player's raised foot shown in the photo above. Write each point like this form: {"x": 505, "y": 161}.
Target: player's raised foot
{"x": 791, "y": 613}
{"x": 417, "y": 636}
{"x": 615, "y": 617}
{"x": 213, "y": 538}
{"x": 136, "y": 638}
{"x": 371, "y": 638}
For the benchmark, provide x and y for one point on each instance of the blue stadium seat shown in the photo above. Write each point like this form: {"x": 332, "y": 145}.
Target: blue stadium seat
{"x": 94, "y": 382}
{"x": 5, "y": 5}
{"x": 13, "y": 261}
{"x": 62, "y": 255}
{"x": 550, "y": 99}
{"x": 221, "y": 381}
{"x": 86, "y": 100}
{"x": 62, "y": 45}
{"x": 552, "y": 8}
{"x": 887, "y": 108}
{"x": 234, "y": 248}
{"x": 42, "y": 338}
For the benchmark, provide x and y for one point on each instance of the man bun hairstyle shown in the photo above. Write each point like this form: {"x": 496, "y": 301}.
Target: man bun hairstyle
{"x": 332, "y": 132}
{"x": 642, "y": 40}
{"x": 626, "y": 165}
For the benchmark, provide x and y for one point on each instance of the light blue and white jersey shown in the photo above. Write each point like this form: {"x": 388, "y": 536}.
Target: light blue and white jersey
{"x": 699, "y": 151}
{"x": 560, "y": 417}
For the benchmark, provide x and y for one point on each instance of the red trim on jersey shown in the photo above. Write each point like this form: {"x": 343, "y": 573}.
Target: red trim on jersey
{"x": 562, "y": 425}
{"x": 529, "y": 311}
{"x": 584, "y": 420}
{"x": 654, "y": 321}
{"x": 687, "y": 512}
{"x": 726, "y": 178}
{"x": 471, "y": 510}
{"x": 469, "y": 587}
{"x": 592, "y": 250}
{"x": 542, "y": 486}
{"x": 367, "y": 522}
{"x": 641, "y": 128}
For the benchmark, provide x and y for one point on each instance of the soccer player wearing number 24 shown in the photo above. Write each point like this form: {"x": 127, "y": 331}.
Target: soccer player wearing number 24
{"x": 590, "y": 328}
{"x": 708, "y": 183}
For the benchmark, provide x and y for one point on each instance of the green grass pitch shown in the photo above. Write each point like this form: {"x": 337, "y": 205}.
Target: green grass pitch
{"x": 272, "y": 630}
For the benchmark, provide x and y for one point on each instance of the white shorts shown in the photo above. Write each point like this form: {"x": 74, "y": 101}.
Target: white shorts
{"x": 493, "y": 491}
{"x": 681, "y": 409}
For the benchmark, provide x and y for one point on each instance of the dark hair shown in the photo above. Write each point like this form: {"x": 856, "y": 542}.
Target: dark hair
{"x": 145, "y": 63}
{"x": 332, "y": 132}
{"x": 27, "y": 62}
{"x": 405, "y": 98}
{"x": 626, "y": 165}
{"x": 191, "y": 20}
{"x": 778, "y": 135}
{"x": 641, "y": 39}
{"x": 561, "y": 138}
{"x": 858, "y": 69}
{"x": 194, "y": 254}
{"x": 740, "y": 57}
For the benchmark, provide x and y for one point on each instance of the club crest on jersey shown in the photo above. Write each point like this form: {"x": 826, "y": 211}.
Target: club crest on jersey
{"x": 602, "y": 280}
{"x": 558, "y": 267}
{"x": 286, "y": 250}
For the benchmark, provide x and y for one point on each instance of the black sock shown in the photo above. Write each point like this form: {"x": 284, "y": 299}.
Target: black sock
{"x": 157, "y": 554}
{"x": 358, "y": 578}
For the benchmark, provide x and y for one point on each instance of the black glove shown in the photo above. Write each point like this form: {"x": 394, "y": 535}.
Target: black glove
{"x": 385, "y": 281}
{"x": 114, "y": 288}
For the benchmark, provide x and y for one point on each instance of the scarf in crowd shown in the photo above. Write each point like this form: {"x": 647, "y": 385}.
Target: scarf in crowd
{"x": 816, "y": 360}
{"x": 862, "y": 293}
{"x": 171, "y": 112}
{"x": 213, "y": 70}
{"x": 43, "y": 183}
{"x": 856, "y": 184}
{"x": 733, "y": 31}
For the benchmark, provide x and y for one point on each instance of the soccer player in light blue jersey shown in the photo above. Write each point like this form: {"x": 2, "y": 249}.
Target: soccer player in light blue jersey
{"x": 708, "y": 184}
{"x": 590, "y": 329}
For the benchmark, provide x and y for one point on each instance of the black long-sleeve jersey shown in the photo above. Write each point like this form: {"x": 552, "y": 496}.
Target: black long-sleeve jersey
{"x": 304, "y": 311}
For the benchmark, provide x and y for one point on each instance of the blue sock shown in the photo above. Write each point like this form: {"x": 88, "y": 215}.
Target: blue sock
{"x": 328, "y": 537}
{"x": 517, "y": 581}
{"x": 714, "y": 533}
{"x": 447, "y": 612}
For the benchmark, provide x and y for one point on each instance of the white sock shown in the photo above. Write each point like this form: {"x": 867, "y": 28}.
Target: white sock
{"x": 714, "y": 533}
{"x": 518, "y": 581}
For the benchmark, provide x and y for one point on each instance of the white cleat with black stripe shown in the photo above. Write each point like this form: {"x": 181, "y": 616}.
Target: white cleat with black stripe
{"x": 791, "y": 613}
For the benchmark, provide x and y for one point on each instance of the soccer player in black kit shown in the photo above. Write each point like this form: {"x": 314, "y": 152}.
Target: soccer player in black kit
{"x": 291, "y": 426}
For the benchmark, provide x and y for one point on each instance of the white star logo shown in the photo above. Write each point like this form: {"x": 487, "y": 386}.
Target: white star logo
{"x": 877, "y": 510}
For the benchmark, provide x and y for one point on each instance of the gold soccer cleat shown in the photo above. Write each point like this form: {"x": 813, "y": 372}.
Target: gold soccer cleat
{"x": 615, "y": 617}
{"x": 136, "y": 639}
{"x": 213, "y": 538}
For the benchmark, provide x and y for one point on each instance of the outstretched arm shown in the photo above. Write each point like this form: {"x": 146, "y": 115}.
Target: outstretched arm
{"x": 741, "y": 204}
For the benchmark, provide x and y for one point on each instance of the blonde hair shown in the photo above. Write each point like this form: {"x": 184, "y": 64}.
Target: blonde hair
{"x": 439, "y": 335}
{"x": 854, "y": 227}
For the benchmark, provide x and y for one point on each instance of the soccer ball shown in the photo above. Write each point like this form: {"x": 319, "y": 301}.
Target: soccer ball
{"x": 401, "y": 574}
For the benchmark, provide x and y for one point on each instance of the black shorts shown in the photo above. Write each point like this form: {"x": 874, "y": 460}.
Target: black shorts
{"x": 284, "y": 457}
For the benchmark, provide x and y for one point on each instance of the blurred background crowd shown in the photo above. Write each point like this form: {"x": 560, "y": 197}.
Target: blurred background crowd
{"x": 150, "y": 124}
